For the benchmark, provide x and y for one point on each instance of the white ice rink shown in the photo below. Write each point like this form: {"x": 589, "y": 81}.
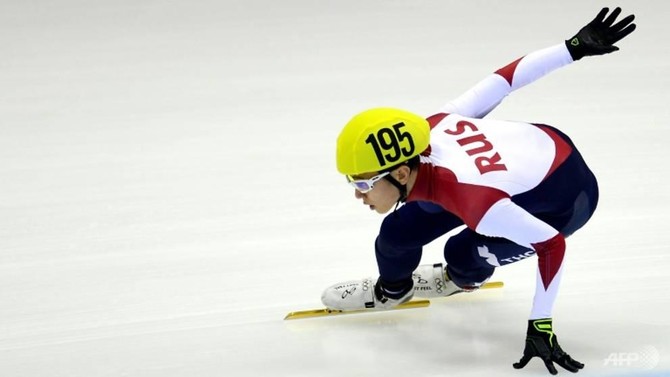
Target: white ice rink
{"x": 168, "y": 189}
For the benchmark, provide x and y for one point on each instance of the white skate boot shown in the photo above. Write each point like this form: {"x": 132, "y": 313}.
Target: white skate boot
{"x": 358, "y": 295}
{"x": 433, "y": 281}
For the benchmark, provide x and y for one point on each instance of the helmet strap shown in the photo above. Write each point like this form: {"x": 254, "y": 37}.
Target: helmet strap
{"x": 402, "y": 188}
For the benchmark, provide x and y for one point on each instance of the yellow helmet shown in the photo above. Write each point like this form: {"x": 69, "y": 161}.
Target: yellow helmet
{"x": 378, "y": 139}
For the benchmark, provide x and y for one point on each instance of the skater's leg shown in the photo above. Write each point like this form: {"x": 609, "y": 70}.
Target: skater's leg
{"x": 398, "y": 249}
{"x": 401, "y": 239}
{"x": 472, "y": 258}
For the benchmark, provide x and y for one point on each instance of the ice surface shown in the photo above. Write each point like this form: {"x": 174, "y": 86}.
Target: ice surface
{"x": 168, "y": 190}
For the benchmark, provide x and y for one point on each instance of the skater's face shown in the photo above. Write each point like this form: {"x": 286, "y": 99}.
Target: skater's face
{"x": 383, "y": 195}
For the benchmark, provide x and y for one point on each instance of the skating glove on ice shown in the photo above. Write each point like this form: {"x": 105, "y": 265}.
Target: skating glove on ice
{"x": 542, "y": 342}
{"x": 599, "y": 36}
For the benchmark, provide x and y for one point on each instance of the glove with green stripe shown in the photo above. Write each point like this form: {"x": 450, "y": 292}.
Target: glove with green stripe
{"x": 543, "y": 343}
{"x": 599, "y": 36}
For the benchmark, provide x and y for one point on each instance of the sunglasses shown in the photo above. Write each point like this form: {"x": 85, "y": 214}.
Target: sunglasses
{"x": 365, "y": 185}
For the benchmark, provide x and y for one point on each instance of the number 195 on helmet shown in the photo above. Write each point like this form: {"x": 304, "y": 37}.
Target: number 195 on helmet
{"x": 380, "y": 138}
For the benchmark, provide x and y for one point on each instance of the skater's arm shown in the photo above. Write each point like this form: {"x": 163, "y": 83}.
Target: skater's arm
{"x": 488, "y": 93}
{"x": 596, "y": 38}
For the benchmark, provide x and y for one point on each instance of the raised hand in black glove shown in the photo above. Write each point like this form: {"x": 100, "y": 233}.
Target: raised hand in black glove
{"x": 541, "y": 342}
{"x": 599, "y": 36}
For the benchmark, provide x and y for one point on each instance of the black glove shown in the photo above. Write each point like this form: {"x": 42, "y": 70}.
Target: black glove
{"x": 542, "y": 342}
{"x": 599, "y": 36}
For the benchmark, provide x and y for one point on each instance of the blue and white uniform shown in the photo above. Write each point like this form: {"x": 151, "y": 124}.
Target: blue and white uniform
{"x": 519, "y": 188}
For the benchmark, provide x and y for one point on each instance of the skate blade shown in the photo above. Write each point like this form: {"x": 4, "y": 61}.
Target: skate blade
{"x": 492, "y": 284}
{"x": 331, "y": 312}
